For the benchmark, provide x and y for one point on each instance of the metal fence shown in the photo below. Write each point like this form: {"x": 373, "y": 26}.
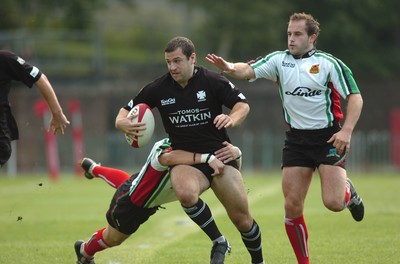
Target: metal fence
{"x": 261, "y": 152}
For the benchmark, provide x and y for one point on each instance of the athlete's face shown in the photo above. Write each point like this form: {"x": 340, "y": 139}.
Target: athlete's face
{"x": 298, "y": 41}
{"x": 179, "y": 66}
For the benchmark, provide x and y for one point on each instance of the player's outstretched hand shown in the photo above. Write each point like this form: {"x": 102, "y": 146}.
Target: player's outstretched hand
{"x": 220, "y": 63}
{"x": 58, "y": 123}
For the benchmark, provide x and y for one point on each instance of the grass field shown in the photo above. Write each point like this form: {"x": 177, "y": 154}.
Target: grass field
{"x": 40, "y": 221}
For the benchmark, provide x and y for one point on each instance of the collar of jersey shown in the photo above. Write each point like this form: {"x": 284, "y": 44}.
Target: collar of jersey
{"x": 306, "y": 55}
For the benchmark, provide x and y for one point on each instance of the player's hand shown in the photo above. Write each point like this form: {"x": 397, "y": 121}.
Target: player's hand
{"x": 223, "y": 121}
{"x": 58, "y": 123}
{"x": 228, "y": 153}
{"x": 341, "y": 141}
{"x": 217, "y": 166}
{"x": 130, "y": 128}
{"x": 220, "y": 63}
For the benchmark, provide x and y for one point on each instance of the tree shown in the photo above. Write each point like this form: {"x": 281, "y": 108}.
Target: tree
{"x": 364, "y": 34}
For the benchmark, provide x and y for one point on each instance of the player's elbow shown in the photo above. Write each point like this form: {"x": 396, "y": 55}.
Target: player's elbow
{"x": 166, "y": 160}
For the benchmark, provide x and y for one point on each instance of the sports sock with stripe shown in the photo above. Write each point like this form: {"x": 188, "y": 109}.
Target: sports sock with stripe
{"x": 95, "y": 244}
{"x": 114, "y": 177}
{"x": 252, "y": 241}
{"x": 296, "y": 230}
{"x": 200, "y": 213}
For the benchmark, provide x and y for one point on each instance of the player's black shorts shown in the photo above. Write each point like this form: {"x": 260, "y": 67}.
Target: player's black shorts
{"x": 308, "y": 148}
{"x": 8, "y": 132}
{"x": 207, "y": 170}
{"x": 123, "y": 215}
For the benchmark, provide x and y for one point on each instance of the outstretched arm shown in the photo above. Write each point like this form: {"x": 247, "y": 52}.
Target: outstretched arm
{"x": 239, "y": 70}
{"x": 58, "y": 120}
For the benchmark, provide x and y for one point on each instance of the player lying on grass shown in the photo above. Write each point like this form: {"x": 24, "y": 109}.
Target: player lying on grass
{"x": 139, "y": 196}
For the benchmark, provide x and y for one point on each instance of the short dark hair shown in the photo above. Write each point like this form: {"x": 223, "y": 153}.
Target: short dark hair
{"x": 185, "y": 44}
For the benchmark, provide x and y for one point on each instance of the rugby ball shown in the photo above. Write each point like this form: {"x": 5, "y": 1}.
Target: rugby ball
{"x": 145, "y": 115}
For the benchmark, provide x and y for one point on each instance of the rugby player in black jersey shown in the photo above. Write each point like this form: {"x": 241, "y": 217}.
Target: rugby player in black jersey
{"x": 190, "y": 100}
{"x": 14, "y": 68}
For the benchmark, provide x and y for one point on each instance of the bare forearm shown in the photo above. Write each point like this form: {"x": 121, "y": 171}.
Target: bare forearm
{"x": 353, "y": 112}
{"x": 241, "y": 71}
{"x": 47, "y": 92}
{"x": 239, "y": 113}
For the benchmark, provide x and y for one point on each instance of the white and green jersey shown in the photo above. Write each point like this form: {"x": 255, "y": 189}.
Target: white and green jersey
{"x": 310, "y": 87}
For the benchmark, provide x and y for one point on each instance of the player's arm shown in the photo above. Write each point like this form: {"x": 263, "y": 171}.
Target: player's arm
{"x": 124, "y": 123}
{"x": 239, "y": 70}
{"x": 181, "y": 157}
{"x": 237, "y": 115}
{"x": 341, "y": 140}
{"x": 58, "y": 120}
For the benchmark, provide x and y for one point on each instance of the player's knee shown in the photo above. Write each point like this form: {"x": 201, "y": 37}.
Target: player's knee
{"x": 335, "y": 205}
{"x": 293, "y": 207}
{"x": 5, "y": 152}
{"x": 187, "y": 199}
{"x": 243, "y": 222}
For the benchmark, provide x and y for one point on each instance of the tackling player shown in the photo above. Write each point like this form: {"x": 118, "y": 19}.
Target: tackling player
{"x": 139, "y": 196}
{"x": 310, "y": 83}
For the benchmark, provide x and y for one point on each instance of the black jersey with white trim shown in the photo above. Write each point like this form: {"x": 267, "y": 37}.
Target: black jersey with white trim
{"x": 14, "y": 68}
{"x": 188, "y": 113}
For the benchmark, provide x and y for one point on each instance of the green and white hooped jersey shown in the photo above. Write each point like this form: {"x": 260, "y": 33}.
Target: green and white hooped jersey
{"x": 310, "y": 87}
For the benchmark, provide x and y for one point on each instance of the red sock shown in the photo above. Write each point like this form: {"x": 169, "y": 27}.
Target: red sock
{"x": 347, "y": 195}
{"x": 297, "y": 232}
{"x": 95, "y": 244}
{"x": 113, "y": 177}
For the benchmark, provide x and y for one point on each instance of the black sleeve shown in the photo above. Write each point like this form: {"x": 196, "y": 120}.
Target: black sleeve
{"x": 18, "y": 69}
{"x": 227, "y": 92}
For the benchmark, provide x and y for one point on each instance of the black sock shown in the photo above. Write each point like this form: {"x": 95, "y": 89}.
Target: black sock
{"x": 252, "y": 241}
{"x": 200, "y": 213}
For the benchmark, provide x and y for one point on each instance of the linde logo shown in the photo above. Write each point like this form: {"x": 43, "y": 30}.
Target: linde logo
{"x": 190, "y": 117}
{"x": 168, "y": 101}
{"x": 288, "y": 64}
{"x": 304, "y": 91}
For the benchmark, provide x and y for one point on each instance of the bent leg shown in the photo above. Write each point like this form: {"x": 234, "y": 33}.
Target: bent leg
{"x": 335, "y": 193}
{"x": 102, "y": 239}
{"x": 229, "y": 189}
{"x": 114, "y": 177}
{"x": 188, "y": 183}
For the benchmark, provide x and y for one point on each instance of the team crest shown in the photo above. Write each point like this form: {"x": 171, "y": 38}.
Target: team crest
{"x": 314, "y": 69}
{"x": 201, "y": 96}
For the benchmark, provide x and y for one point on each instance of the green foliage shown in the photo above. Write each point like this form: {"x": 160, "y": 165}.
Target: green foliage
{"x": 364, "y": 34}
{"x": 40, "y": 221}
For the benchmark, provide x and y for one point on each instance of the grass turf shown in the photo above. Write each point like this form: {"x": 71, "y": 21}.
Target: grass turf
{"x": 40, "y": 220}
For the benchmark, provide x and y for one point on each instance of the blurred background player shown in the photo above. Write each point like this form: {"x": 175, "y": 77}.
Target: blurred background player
{"x": 311, "y": 83}
{"x": 138, "y": 196}
{"x": 14, "y": 68}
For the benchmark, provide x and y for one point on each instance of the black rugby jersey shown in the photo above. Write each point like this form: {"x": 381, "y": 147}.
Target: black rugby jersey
{"x": 188, "y": 113}
{"x": 13, "y": 68}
